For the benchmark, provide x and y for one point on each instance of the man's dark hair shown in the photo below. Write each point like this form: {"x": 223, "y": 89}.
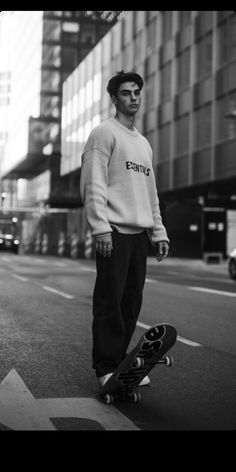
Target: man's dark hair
{"x": 121, "y": 77}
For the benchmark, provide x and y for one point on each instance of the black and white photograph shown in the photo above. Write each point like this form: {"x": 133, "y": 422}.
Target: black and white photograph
{"x": 118, "y": 221}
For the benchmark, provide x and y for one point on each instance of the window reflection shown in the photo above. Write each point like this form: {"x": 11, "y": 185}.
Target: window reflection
{"x": 50, "y": 106}
{"x": 202, "y": 127}
{"x": 227, "y": 40}
{"x": 204, "y": 56}
{"x": 166, "y": 81}
{"x": 182, "y": 135}
{"x": 51, "y": 55}
{"x": 51, "y": 30}
{"x": 183, "y": 69}
{"x": 164, "y": 142}
{"x": 50, "y": 81}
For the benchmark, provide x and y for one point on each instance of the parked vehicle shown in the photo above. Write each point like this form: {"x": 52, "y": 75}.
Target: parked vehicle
{"x": 232, "y": 264}
{"x": 8, "y": 234}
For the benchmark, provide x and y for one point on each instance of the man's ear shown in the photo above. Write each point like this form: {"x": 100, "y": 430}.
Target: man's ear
{"x": 114, "y": 99}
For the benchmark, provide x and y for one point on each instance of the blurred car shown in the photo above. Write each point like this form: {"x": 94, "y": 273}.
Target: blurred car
{"x": 232, "y": 264}
{"x": 7, "y": 241}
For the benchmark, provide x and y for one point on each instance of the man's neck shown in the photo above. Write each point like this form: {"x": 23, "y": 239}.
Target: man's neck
{"x": 125, "y": 120}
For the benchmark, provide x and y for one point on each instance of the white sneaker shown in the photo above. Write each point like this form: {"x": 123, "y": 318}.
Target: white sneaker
{"x": 104, "y": 378}
{"x": 146, "y": 381}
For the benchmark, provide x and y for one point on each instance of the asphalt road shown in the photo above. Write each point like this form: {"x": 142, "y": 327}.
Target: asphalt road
{"x": 46, "y": 380}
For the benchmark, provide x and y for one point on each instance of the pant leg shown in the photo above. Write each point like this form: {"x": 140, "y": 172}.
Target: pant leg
{"x": 108, "y": 326}
{"x": 133, "y": 294}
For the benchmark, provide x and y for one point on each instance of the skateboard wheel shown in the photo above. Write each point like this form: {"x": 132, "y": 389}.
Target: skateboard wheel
{"x": 139, "y": 362}
{"x": 169, "y": 361}
{"x": 108, "y": 399}
{"x": 136, "y": 397}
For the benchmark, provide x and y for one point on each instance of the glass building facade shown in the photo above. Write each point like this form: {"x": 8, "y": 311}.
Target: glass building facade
{"x": 63, "y": 62}
{"x": 47, "y": 47}
{"x": 188, "y": 62}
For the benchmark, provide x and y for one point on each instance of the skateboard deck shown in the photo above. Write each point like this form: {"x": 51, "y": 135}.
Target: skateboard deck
{"x": 148, "y": 352}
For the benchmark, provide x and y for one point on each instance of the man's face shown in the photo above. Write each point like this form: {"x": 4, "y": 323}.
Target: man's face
{"x": 128, "y": 98}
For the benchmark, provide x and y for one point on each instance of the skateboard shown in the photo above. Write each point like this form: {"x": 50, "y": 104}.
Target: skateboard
{"x": 152, "y": 346}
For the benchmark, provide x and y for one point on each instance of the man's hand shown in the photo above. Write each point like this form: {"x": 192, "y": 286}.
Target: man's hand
{"x": 163, "y": 250}
{"x": 104, "y": 244}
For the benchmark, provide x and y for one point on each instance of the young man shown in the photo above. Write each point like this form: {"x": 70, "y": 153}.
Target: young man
{"x": 119, "y": 193}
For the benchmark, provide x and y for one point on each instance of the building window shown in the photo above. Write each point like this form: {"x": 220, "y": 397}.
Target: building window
{"x": 184, "y": 19}
{"x": 182, "y": 135}
{"x": 70, "y": 32}
{"x": 167, "y": 25}
{"x": 51, "y": 30}
{"x": 53, "y": 13}
{"x": 164, "y": 142}
{"x": 51, "y": 55}
{"x": 226, "y": 123}
{"x": 50, "y": 81}
{"x": 139, "y": 48}
{"x": 204, "y": 56}
{"x": 151, "y": 36}
{"x": 183, "y": 69}
{"x": 166, "y": 81}
{"x": 69, "y": 58}
{"x": 50, "y": 106}
{"x": 88, "y": 34}
{"x": 202, "y": 127}
{"x": 227, "y": 40}
{"x": 149, "y": 92}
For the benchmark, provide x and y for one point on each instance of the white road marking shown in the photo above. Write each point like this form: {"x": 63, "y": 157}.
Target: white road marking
{"x": 58, "y": 292}
{"x": 179, "y": 338}
{"x": 60, "y": 264}
{"x": 87, "y": 269}
{"x": 210, "y": 290}
{"x": 20, "y": 411}
{"x": 5, "y": 259}
{"x": 188, "y": 342}
{"x": 19, "y": 277}
{"x": 151, "y": 280}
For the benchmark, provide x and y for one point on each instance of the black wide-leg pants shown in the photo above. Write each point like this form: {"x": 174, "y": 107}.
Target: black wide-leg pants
{"x": 117, "y": 299}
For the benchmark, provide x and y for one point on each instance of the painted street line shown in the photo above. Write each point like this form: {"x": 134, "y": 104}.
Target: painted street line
{"x": 58, "y": 292}
{"x": 87, "y": 269}
{"x": 179, "y": 338}
{"x": 19, "y": 277}
{"x": 215, "y": 292}
{"x": 60, "y": 264}
{"x": 188, "y": 342}
{"x": 151, "y": 280}
{"x": 5, "y": 259}
{"x": 20, "y": 411}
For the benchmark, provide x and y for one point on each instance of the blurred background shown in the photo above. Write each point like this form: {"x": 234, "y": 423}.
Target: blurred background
{"x": 54, "y": 69}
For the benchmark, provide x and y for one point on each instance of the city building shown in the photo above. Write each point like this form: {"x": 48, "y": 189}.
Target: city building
{"x": 188, "y": 62}
{"x": 7, "y": 188}
{"x": 47, "y": 47}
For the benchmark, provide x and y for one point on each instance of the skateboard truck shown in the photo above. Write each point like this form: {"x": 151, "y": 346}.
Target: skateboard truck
{"x": 140, "y": 362}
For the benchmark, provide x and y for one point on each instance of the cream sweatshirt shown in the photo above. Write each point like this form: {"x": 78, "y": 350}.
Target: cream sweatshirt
{"x": 117, "y": 183}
